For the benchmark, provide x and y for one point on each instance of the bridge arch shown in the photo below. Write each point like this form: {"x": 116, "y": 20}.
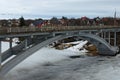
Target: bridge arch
{"x": 103, "y": 47}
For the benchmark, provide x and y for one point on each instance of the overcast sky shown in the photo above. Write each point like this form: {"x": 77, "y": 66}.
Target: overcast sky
{"x": 58, "y": 8}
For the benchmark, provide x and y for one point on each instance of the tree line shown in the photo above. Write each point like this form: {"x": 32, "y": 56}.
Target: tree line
{"x": 64, "y": 21}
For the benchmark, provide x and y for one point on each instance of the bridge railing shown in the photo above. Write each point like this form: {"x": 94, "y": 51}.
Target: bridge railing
{"x": 16, "y": 30}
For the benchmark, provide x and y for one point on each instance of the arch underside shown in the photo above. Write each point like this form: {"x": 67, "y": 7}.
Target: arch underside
{"x": 103, "y": 47}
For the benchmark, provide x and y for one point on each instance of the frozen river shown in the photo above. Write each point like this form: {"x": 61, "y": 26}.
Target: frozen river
{"x": 51, "y": 64}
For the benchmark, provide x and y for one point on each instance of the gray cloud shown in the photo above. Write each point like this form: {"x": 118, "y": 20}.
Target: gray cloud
{"x": 61, "y": 7}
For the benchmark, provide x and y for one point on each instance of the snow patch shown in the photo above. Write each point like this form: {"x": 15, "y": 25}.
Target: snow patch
{"x": 5, "y": 45}
{"x": 78, "y": 47}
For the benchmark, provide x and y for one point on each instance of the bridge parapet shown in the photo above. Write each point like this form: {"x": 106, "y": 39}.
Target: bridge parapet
{"x": 18, "y": 30}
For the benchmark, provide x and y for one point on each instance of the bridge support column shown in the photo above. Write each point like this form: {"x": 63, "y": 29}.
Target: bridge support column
{"x": 10, "y": 46}
{"x": 114, "y": 38}
{"x": 26, "y": 43}
{"x": 104, "y": 35}
{"x": 109, "y": 37}
{"x": 90, "y": 32}
{"x": 10, "y": 43}
{"x": 53, "y": 34}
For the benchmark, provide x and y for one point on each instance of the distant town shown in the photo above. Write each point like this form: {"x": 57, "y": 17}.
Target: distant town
{"x": 64, "y": 21}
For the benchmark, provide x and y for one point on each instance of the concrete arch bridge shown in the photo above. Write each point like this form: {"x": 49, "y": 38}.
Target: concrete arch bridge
{"x": 106, "y": 41}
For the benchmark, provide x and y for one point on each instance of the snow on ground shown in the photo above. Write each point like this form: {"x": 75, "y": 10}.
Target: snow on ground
{"x": 5, "y": 45}
{"x": 78, "y": 47}
{"x": 52, "y": 64}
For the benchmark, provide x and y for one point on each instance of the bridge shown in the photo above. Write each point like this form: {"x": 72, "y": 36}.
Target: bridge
{"x": 106, "y": 39}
